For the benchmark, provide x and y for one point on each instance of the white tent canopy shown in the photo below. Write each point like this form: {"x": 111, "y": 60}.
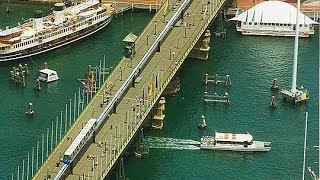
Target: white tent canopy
{"x": 273, "y": 12}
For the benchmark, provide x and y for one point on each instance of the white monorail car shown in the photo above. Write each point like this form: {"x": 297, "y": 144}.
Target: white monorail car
{"x": 82, "y": 138}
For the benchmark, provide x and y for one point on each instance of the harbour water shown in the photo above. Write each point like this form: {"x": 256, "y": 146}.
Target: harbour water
{"x": 252, "y": 62}
{"x": 19, "y": 133}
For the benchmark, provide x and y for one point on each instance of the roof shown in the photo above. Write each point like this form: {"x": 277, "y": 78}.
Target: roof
{"x": 273, "y": 12}
{"x": 130, "y": 38}
{"x": 232, "y": 137}
{"x": 9, "y": 31}
{"x": 47, "y": 71}
{"x": 90, "y": 124}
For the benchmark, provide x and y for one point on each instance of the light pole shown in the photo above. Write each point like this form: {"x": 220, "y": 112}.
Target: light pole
{"x": 120, "y": 73}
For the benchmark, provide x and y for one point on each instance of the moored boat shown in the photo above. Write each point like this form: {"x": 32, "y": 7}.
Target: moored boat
{"x": 62, "y": 27}
{"x": 233, "y": 142}
{"x": 48, "y": 75}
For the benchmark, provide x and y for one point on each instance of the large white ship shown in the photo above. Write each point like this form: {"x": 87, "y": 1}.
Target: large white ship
{"x": 65, "y": 25}
{"x": 233, "y": 142}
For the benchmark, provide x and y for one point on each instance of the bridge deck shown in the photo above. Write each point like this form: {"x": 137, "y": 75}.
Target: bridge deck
{"x": 121, "y": 126}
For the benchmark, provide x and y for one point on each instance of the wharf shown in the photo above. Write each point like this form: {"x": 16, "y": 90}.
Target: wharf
{"x": 115, "y": 134}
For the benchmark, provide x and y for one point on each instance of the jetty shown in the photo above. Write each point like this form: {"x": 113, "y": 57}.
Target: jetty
{"x": 134, "y": 87}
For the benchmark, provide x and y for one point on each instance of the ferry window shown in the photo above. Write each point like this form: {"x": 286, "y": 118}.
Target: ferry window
{"x": 250, "y": 23}
{"x": 244, "y": 23}
{"x": 265, "y": 24}
{"x": 306, "y": 25}
{"x": 277, "y": 24}
{"x": 261, "y": 23}
{"x": 269, "y": 24}
{"x": 300, "y": 25}
{"x": 285, "y": 24}
{"x": 255, "y": 23}
{"x": 272, "y": 24}
{"x": 281, "y": 24}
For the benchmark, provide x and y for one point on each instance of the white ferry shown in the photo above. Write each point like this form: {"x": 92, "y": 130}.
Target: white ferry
{"x": 63, "y": 26}
{"x": 233, "y": 142}
{"x": 273, "y": 18}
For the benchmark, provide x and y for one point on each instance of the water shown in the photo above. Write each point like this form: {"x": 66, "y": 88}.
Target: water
{"x": 252, "y": 62}
{"x": 19, "y": 133}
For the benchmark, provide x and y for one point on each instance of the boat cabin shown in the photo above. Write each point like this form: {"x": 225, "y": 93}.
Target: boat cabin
{"x": 232, "y": 138}
{"x": 47, "y": 75}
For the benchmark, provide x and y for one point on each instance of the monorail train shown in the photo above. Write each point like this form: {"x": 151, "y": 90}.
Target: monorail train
{"x": 82, "y": 138}
{"x": 87, "y": 132}
{"x": 76, "y": 146}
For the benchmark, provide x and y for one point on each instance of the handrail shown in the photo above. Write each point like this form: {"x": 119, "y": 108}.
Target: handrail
{"x": 141, "y": 63}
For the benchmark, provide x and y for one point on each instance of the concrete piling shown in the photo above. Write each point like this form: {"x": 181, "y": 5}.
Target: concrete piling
{"x": 273, "y": 103}
{"x": 275, "y": 85}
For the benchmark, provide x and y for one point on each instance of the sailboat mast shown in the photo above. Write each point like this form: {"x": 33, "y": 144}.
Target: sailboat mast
{"x": 305, "y": 147}
{"x": 319, "y": 104}
{"x": 295, "y": 58}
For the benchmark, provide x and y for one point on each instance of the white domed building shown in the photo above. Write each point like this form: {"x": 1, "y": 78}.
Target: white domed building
{"x": 273, "y": 18}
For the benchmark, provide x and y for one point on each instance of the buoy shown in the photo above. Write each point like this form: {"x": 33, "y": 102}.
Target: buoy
{"x": 275, "y": 85}
{"x": 202, "y": 123}
{"x": 30, "y": 111}
{"x": 273, "y": 102}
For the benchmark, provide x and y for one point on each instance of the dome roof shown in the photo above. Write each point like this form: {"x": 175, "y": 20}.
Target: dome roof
{"x": 273, "y": 12}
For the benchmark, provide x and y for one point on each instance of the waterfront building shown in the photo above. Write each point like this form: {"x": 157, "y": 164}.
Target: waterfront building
{"x": 273, "y": 18}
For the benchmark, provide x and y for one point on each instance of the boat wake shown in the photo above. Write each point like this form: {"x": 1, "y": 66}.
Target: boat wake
{"x": 171, "y": 143}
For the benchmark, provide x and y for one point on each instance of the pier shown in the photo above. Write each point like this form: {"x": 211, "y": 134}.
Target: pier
{"x": 134, "y": 87}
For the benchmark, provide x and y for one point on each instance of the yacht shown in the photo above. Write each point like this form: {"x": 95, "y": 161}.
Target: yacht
{"x": 233, "y": 142}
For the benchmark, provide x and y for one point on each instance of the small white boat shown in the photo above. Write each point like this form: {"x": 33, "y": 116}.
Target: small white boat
{"x": 47, "y": 75}
{"x": 202, "y": 123}
{"x": 233, "y": 142}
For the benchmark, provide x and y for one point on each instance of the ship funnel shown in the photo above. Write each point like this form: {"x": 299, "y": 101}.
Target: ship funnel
{"x": 37, "y": 21}
{"x": 58, "y": 13}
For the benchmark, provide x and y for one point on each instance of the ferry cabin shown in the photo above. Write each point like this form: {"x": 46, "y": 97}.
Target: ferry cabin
{"x": 232, "y": 138}
{"x": 53, "y": 31}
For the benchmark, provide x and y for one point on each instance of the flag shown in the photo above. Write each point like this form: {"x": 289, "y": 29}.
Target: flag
{"x": 143, "y": 96}
{"x": 149, "y": 91}
{"x": 152, "y": 86}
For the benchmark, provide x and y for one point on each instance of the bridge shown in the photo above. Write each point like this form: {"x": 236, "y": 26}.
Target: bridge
{"x": 135, "y": 86}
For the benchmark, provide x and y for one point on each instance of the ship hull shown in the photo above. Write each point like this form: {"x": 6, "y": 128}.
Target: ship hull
{"x": 27, "y": 53}
{"x": 257, "y": 146}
